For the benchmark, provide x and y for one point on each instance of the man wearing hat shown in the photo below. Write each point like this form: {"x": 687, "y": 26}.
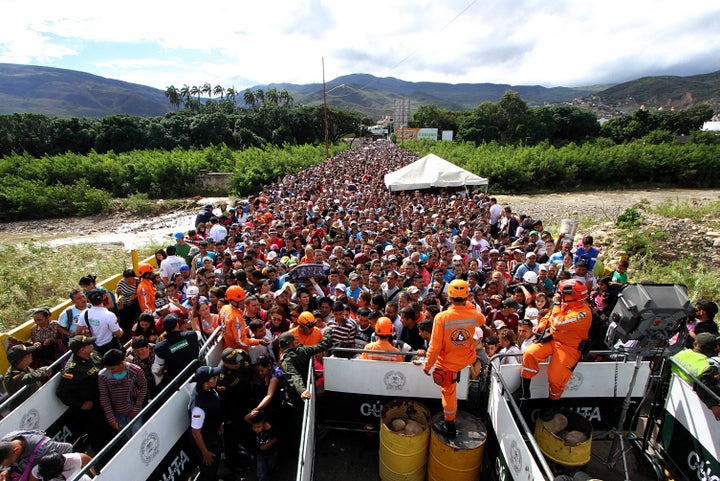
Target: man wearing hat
{"x": 176, "y": 351}
{"x": 206, "y": 422}
{"x": 306, "y": 331}
{"x": 20, "y": 374}
{"x": 530, "y": 264}
{"x": 295, "y": 359}
{"x": 697, "y": 363}
{"x": 203, "y": 217}
{"x": 79, "y": 390}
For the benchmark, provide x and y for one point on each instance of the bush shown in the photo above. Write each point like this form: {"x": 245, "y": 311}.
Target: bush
{"x": 630, "y": 218}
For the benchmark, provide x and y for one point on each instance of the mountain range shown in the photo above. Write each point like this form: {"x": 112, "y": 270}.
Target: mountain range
{"x": 67, "y": 93}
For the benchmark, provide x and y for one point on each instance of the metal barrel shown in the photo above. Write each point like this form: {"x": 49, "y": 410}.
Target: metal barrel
{"x": 458, "y": 458}
{"x": 403, "y": 457}
{"x": 567, "y": 443}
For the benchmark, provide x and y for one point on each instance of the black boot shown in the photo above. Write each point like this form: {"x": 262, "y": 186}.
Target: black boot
{"x": 448, "y": 428}
{"x": 523, "y": 392}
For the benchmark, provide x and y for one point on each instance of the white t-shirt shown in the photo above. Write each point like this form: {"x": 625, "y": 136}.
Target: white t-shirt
{"x": 171, "y": 265}
{"x": 73, "y": 464}
{"x": 103, "y": 324}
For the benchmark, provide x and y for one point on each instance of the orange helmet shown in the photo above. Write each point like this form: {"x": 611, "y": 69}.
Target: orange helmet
{"x": 263, "y": 200}
{"x": 306, "y": 319}
{"x": 572, "y": 290}
{"x": 235, "y": 293}
{"x": 145, "y": 268}
{"x": 458, "y": 289}
{"x": 268, "y": 216}
{"x": 384, "y": 327}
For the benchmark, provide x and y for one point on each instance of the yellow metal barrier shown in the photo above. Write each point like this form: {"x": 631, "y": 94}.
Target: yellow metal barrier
{"x": 22, "y": 331}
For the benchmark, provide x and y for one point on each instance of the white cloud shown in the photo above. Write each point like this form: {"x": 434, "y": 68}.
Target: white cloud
{"x": 551, "y": 42}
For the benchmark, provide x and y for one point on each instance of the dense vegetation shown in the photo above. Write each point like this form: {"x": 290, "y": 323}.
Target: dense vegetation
{"x": 74, "y": 184}
{"x": 599, "y": 164}
{"x": 54, "y": 167}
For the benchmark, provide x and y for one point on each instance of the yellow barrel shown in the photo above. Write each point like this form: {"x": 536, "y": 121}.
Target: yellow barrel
{"x": 559, "y": 442}
{"x": 458, "y": 458}
{"x": 403, "y": 457}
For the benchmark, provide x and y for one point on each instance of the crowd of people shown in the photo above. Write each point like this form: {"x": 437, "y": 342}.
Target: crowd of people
{"x": 324, "y": 258}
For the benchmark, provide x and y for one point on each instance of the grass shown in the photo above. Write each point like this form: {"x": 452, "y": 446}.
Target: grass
{"x": 694, "y": 210}
{"x": 702, "y": 282}
{"x": 34, "y": 275}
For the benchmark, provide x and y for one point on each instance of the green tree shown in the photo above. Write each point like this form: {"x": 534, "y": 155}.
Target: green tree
{"x": 173, "y": 96}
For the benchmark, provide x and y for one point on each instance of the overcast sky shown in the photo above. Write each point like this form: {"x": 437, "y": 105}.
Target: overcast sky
{"x": 245, "y": 43}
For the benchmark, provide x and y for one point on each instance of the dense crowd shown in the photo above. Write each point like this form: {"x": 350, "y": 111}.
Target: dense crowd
{"x": 325, "y": 258}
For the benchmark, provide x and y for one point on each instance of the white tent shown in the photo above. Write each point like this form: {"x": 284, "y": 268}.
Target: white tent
{"x": 431, "y": 171}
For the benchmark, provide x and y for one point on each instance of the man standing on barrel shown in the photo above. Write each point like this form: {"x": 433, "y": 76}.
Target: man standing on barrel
{"x": 452, "y": 348}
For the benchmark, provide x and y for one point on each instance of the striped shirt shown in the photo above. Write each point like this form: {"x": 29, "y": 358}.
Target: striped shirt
{"x": 343, "y": 334}
{"x": 122, "y": 396}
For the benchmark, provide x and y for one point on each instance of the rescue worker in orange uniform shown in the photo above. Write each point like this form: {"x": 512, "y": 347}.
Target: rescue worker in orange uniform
{"x": 452, "y": 348}
{"x": 231, "y": 316}
{"x": 305, "y": 331}
{"x": 384, "y": 331}
{"x": 563, "y": 329}
{"x": 146, "y": 288}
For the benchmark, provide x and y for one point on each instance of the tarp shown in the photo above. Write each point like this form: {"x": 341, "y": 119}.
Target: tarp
{"x": 431, "y": 171}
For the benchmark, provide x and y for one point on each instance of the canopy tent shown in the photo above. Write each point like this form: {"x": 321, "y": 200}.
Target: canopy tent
{"x": 431, "y": 171}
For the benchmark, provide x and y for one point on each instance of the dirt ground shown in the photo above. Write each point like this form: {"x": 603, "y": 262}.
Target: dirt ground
{"x": 132, "y": 232}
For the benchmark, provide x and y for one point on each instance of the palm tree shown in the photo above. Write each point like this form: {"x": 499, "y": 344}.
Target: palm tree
{"x": 260, "y": 96}
{"x": 272, "y": 96}
{"x": 207, "y": 89}
{"x": 285, "y": 98}
{"x": 185, "y": 94}
{"x": 249, "y": 98}
{"x": 231, "y": 93}
{"x": 173, "y": 95}
{"x": 219, "y": 90}
{"x": 195, "y": 90}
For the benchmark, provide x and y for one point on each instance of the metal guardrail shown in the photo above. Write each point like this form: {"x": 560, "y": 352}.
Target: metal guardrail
{"x": 155, "y": 404}
{"x": 539, "y": 457}
{"x": 158, "y": 401}
{"x": 305, "y": 438}
{"x": 18, "y": 395}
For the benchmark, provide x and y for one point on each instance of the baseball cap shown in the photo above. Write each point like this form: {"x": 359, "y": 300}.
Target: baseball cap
{"x": 179, "y": 235}
{"x": 18, "y": 352}
{"x": 530, "y": 254}
{"x": 78, "y": 342}
{"x": 286, "y": 339}
{"x": 205, "y": 373}
{"x": 193, "y": 291}
{"x": 232, "y": 356}
{"x": 170, "y": 322}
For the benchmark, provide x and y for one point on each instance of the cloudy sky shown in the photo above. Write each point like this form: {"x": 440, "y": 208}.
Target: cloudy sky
{"x": 244, "y": 43}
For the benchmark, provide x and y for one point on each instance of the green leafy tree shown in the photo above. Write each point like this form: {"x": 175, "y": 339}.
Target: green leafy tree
{"x": 173, "y": 96}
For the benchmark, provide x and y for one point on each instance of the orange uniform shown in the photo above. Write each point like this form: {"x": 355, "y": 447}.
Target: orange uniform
{"x": 452, "y": 348}
{"x": 569, "y": 324}
{"x": 146, "y": 295}
{"x": 381, "y": 345}
{"x": 310, "y": 339}
{"x": 236, "y": 335}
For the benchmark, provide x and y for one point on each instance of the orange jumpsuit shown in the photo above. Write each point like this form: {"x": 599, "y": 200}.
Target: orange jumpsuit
{"x": 310, "y": 339}
{"x": 235, "y": 329}
{"x": 381, "y": 345}
{"x": 569, "y": 323}
{"x": 452, "y": 348}
{"x": 146, "y": 295}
